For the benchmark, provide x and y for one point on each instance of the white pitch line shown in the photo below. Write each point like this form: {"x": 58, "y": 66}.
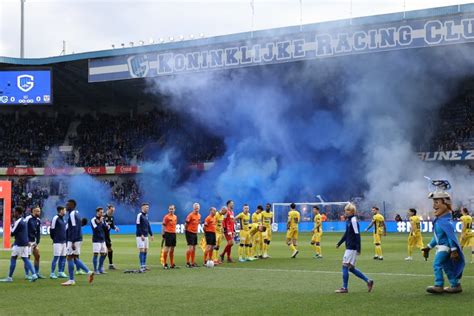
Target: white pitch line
{"x": 337, "y": 272}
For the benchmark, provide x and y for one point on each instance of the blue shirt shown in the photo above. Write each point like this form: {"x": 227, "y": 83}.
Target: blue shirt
{"x": 143, "y": 225}
{"x": 57, "y": 230}
{"x": 352, "y": 235}
{"x": 74, "y": 229}
{"x": 98, "y": 230}
{"x": 20, "y": 232}
{"x": 34, "y": 228}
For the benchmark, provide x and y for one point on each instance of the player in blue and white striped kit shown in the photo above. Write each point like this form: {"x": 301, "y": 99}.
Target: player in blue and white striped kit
{"x": 98, "y": 240}
{"x": 74, "y": 241}
{"x": 142, "y": 233}
{"x": 20, "y": 246}
{"x": 57, "y": 232}
{"x": 353, "y": 246}
{"x": 34, "y": 237}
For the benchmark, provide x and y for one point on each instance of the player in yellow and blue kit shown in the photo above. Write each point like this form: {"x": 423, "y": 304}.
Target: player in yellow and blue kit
{"x": 292, "y": 229}
{"x": 317, "y": 233}
{"x": 244, "y": 247}
{"x": 378, "y": 222}
{"x": 414, "y": 238}
{"x": 256, "y": 247}
{"x": 467, "y": 237}
{"x": 267, "y": 219}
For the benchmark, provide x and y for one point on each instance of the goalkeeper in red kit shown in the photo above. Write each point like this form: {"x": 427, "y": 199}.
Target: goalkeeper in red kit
{"x": 229, "y": 231}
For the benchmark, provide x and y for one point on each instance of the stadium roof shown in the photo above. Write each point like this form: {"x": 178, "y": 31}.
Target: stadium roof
{"x": 385, "y": 18}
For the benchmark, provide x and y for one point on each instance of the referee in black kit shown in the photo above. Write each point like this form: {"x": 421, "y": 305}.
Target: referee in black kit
{"x": 109, "y": 220}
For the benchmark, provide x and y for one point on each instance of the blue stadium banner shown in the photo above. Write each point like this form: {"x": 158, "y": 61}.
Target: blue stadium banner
{"x": 322, "y": 42}
{"x": 328, "y": 227}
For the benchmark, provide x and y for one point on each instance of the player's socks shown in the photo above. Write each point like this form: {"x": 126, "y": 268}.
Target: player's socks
{"x": 101, "y": 262}
{"x": 110, "y": 254}
{"x": 37, "y": 268}
{"x": 61, "y": 264}
{"x": 187, "y": 256}
{"x": 193, "y": 256}
{"x": 345, "y": 276}
{"x": 70, "y": 267}
{"x": 53, "y": 264}
{"x": 140, "y": 258}
{"x": 29, "y": 266}
{"x": 26, "y": 271}
{"x": 165, "y": 256}
{"x": 359, "y": 274}
{"x": 144, "y": 258}
{"x": 318, "y": 250}
{"x": 81, "y": 265}
{"x": 172, "y": 257}
{"x": 94, "y": 261}
{"x": 12, "y": 267}
{"x": 292, "y": 248}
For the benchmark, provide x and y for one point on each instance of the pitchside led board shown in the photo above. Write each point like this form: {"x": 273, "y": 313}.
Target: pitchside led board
{"x": 26, "y": 86}
{"x": 6, "y": 196}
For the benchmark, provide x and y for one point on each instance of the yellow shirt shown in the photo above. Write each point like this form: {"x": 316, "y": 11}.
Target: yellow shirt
{"x": 257, "y": 218}
{"x": 318, "y": 228}
{"x": 219, "y": 220}
{"x": 378, "y": 222}
{"x": 293, "y": 219}
{"x": 267, "y": 218}
{"x": 415, "y": 223}
{"x": 253, "y": 228}
{"x": 244, "y": 220}
{"x": 466, "y": 225}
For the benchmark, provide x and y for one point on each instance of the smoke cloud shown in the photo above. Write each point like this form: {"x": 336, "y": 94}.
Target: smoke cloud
{"x": 340, "y": 127}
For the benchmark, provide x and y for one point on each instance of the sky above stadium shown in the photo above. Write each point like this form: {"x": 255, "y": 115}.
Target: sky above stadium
{"x": 90, "y": 25}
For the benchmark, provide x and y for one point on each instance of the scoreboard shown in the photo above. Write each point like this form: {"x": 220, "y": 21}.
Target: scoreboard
{"x": 25, "y": 86}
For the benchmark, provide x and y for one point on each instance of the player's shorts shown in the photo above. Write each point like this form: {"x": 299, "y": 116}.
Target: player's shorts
{"x": 377, "y": 238}
{"x": 415, "y": 241}
{"x": 191, "y": 238}
{"x": 219, "y": 237}
{"x": 76, "y": 251}
{"x": 210, "y": 238}
{"x": 99, "y": 247}
{"x": 30, "y": 250}
{"x": 59, "y": 250}
{"x": 244, "y": 237}
{"x": 350, "y": 257}
{"x": 316, "y": 237}
{"x": 229, "y": 237}
{"x": 466, "y": 241}
{"x": 267, "y": 234}
{"x": 143, "y": 244}
{"x": 292, "y": 234}
{"x": 20, "y": 251}
{"x": 170, "y": 239}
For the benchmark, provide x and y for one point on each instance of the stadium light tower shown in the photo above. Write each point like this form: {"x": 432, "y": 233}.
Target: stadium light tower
{"x": 22, "y": 29}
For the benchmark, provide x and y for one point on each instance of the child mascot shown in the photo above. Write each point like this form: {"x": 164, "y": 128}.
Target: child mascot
{"x": 449, "y": 257}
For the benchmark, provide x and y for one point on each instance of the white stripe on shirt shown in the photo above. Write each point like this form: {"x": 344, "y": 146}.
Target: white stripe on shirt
{"x": 53, "y": 223}
{"x": 138, "y": 218}
{"x": 94, "y": 224}
{"x": 354, "y": 225}
{"x": 16, "y": 224}
{"x": 72, "y": 216}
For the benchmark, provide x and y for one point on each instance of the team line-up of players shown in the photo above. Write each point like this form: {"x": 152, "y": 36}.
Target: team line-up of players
{"x": 255, "y": 237}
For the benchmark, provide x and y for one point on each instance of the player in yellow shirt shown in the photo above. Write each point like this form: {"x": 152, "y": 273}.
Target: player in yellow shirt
{"x": 317, "y": 233}
{"x": 414, "y": 238}
{"x": 257, "y": 239}
{"x": 267, "y": 219}
{"x": 219, "y": 233}
{"x": 467, "y": 236}
{"x": 292, "y": 229}
{"x": 244, "y": 220}
{"x": 256, "y": 229}
{"x": 379, "y": 229}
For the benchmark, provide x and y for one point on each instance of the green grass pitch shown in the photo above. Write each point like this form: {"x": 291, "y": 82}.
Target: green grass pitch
{"x": 276, "y": 286}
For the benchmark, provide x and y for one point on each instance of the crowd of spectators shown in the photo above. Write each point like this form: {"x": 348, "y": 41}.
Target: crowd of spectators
{"x": 28, "y": 193}
{"x": 126, "y": 193}
{"x": 456, "y": 128}
{"x": 26, "y": 139}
